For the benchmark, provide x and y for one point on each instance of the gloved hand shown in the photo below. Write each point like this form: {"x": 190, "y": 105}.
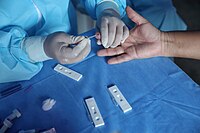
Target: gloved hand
{"x": 112, "y": 29}
{"x": 144, "y": 42}
{"x": 57, "y": 46}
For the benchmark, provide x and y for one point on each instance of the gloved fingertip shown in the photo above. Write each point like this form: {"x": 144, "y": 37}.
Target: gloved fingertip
{"x": 106, "y": 46}
{"x": 113, "y": 46}
{"x": 98, "y": 42}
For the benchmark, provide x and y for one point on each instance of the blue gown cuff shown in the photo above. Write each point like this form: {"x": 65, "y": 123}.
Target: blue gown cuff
{"x": 106, "y": 4}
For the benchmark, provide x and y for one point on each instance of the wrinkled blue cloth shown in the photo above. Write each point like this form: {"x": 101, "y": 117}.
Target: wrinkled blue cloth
{"x": 164, "y": 99}
{"x": 161, "y": 13}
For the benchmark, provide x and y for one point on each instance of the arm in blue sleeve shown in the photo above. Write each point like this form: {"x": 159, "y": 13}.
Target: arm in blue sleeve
{"x": 15, "y": 64}
{"x": 95, "y": 7}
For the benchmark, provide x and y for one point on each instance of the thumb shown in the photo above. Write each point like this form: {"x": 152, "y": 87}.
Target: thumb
{"x": 135, "y": 17}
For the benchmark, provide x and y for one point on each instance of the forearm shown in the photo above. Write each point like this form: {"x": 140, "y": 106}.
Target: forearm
{"x": 181, "y": 44}
{"x": 15, "y": 63}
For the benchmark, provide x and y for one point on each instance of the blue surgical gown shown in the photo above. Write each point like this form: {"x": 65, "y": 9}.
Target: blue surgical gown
{"x": 161, "y": 13}
{"x": 26, "y": 18}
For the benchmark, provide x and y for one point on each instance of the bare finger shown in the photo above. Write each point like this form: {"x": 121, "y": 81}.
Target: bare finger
{"x": 119, "y": 59}
{"x": 110, "y": 51}
{"x": 135, "y": 17}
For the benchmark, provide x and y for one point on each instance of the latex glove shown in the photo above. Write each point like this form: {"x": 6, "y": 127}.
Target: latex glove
{"x": 144, "y": 41}
{"x": 112, "y": 29}
{"x": 57, "y": 46}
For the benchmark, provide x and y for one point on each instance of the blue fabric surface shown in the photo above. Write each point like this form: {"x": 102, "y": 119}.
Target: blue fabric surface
{"x": 164, "y": 99}
{"x": 161, "y": 13}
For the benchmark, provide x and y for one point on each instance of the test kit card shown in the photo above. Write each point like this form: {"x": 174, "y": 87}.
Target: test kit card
{"x": 68, "y": 72}
{"x": 119, "y": 98}
{"x": 94, "y": 112}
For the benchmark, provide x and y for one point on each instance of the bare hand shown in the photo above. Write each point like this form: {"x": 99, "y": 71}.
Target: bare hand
{"x": 144, "y": 41}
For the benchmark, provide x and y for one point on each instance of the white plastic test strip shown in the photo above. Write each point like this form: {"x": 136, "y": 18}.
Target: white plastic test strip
{"x": 119, "y": 98}
{"x": 94, "y": 112}
{"x": 68, "y": 72}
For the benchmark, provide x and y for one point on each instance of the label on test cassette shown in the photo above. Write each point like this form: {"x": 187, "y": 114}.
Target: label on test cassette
{"x": 68, "y": 72}
{"x": 94, "y": 112}
{"x": 119, "y": 99}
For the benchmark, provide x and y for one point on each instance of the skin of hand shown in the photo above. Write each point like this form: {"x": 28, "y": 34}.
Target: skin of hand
{"x": 57, "y": 46}
{"x": 144, "y": 41}
{"x": 184, "y": 44}
{"x": 112, "y": 29}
